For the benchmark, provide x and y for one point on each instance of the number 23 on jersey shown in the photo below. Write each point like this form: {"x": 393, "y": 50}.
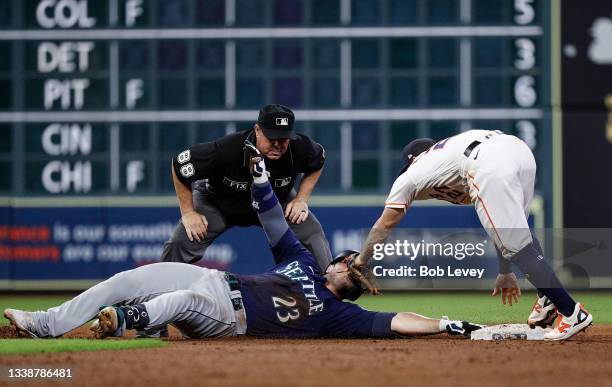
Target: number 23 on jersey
{"x": 285, "y": 308}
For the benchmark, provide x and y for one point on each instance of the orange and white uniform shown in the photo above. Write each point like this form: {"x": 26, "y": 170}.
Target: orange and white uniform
{"x": 493, "y": 170}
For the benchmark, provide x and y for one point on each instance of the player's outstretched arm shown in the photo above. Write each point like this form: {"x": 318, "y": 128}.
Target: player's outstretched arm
{"x": 263, "y": 199}
{"x": 379, "y": 233}
{"x": 412, "y": 324}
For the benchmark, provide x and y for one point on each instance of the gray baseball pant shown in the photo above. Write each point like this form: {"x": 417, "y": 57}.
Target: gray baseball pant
{"x": 194, "y": 299}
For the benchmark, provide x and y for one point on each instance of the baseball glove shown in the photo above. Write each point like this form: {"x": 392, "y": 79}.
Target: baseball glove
{"x": 361, "y": 275}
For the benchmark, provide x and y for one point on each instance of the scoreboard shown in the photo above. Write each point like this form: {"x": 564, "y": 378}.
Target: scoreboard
{"x": 97, "y": 95}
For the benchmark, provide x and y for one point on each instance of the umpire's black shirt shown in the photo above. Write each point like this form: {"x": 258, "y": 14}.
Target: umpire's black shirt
{"x": 228, "y": 183}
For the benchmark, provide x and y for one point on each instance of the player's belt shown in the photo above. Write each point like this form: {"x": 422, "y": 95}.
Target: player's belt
{"x": 232, "y": 281}
{"x": 471, "y": 147}
{"x": 235, "y": 295}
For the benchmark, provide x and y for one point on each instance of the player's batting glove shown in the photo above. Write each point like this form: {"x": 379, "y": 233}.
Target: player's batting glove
{"x": 457, "y": 328}
{"x": 253, "y": 159}
{"x": 362, "y": 276}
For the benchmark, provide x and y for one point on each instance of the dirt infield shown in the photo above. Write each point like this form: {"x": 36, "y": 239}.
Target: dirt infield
{"x": 431, "y": 361}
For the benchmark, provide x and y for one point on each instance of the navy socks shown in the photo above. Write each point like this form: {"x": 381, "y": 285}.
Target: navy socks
{"x": 538, "y": 246}
{"x": 540, "y": 274}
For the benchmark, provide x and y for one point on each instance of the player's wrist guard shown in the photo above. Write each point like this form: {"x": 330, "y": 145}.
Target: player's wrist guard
{"x": 505, "y": 266}
{"x": 458, "y": 328}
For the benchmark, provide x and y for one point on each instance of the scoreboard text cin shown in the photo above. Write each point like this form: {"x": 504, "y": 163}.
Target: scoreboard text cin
{"x": 62, "y": 176}
{"x": 71, "y": 166}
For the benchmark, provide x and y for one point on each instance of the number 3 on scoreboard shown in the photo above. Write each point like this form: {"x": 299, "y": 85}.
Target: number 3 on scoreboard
{"x": 286, "y": 314}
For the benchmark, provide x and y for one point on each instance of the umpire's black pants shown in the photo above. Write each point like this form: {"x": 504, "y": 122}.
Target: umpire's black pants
{"x": 180, "y": 249}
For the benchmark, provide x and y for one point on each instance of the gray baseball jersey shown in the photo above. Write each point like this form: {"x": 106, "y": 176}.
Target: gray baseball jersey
{"x": 490, "y": 169}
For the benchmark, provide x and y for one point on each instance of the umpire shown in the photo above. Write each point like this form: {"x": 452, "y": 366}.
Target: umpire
{"x": 212, "y": 183}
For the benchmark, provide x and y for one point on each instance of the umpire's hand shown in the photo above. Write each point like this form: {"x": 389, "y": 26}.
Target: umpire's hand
{"x": 297, "y": 211}
{"x": 196, "y": 226}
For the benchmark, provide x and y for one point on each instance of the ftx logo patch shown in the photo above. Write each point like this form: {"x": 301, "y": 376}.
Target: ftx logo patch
{"x": 239, "y": 185}
{"x": 282, "y": 182}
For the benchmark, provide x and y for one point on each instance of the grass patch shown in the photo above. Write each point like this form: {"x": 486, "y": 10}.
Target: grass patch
{"x": 479, "y": 306}
{"x": 37, "y": 346}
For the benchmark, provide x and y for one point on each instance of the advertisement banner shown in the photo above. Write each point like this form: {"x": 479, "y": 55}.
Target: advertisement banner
{"x": 76, "y": 243}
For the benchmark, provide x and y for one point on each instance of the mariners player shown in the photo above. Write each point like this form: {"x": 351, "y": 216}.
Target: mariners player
{"x": 496, "y": 173}
{"x": 293, "y": 299}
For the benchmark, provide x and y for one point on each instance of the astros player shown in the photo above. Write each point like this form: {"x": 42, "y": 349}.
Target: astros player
{"x": 496, "y": 173}
{"x": 293, "y": 299}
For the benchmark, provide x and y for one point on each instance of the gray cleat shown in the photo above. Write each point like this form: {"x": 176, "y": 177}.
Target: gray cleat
{"x": 22, "y": 321}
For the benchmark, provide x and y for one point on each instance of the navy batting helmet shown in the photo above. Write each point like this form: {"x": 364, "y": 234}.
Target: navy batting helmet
{"x": 413, "y": 149}
{"x": 343, "y": 254}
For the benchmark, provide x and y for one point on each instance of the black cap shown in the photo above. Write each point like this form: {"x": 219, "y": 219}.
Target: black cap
{"x": 276, "y": 121}
{"x": 341, "y": 255}
{"x": 413, "y": 149}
